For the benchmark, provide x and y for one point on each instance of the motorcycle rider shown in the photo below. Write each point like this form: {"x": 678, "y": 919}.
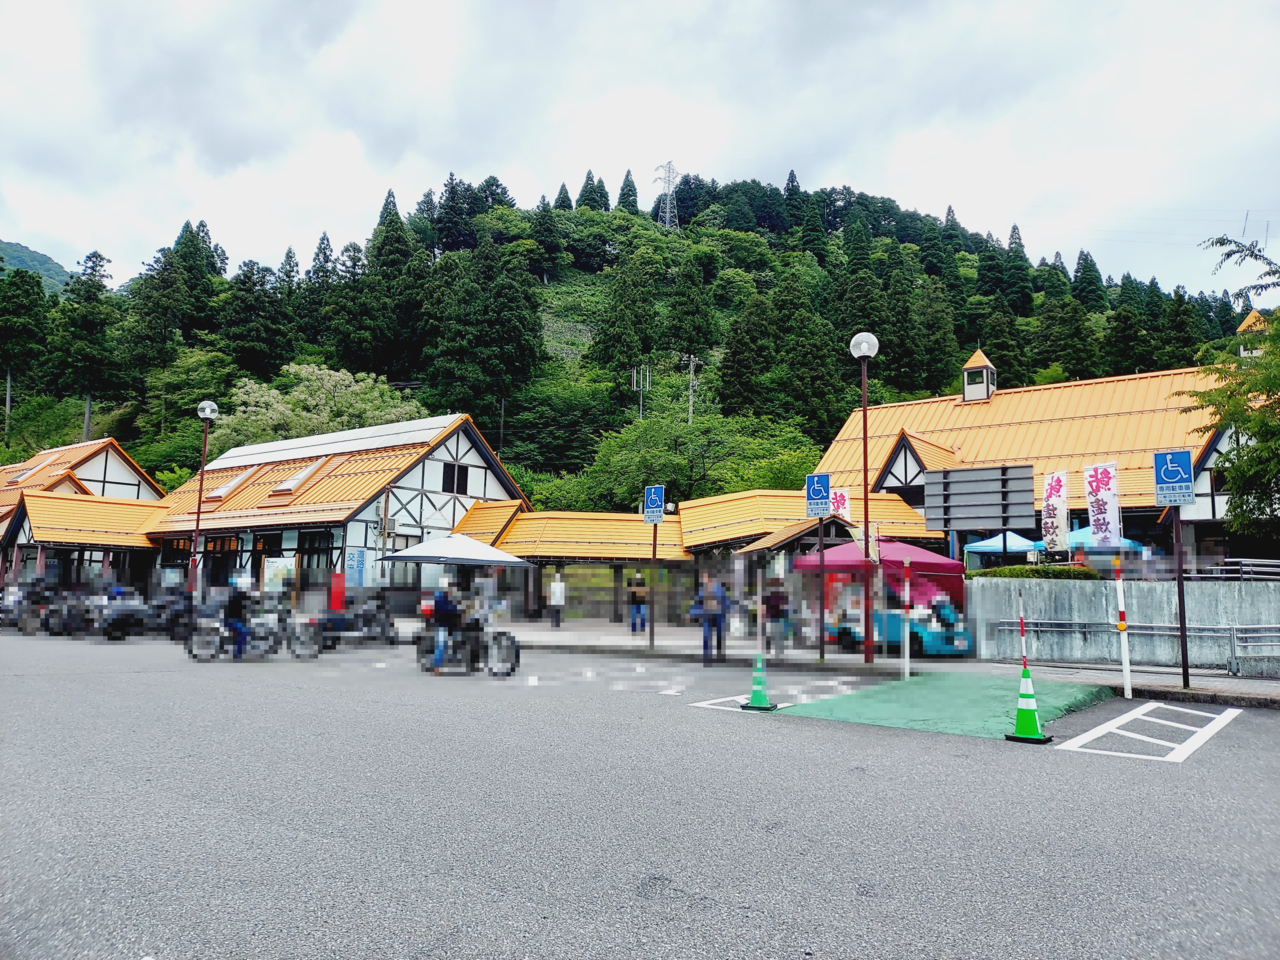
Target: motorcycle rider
{"x": 447, "y": 614}
{"x": 235, "y": 619}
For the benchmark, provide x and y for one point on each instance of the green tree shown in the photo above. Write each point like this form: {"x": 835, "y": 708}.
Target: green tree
{"x": 389, "y": 249}
{"x": 813, "y": 377}
{"x": 1242, "y": 253}
{"x": 627, "y": 201}
{"x": 587, "y": 196}
{"x": 1056, "y": 286}
{"x": 1130, "y": 293}
{"x": 1065, "y": 338}
{"x": 862, "y": 308}
{"x": 935, "y": 321}
{"x": 691, "y": 324}
{"x": 933, "y": 256}
{"x": 204, "y": 263}
{"x": 857, "y": 247}
{"x": 80, "y": 361}
{"x": 796, "y": 200}
{"x": 813, "y": 236}
{"x": 24, "y": 311}
{"x": 1087, "y": 287}
{"x": 160, "y": 308}
{"x": 738, "y": 215}
{"x": 423, "y": 221}
{"x": 563, "y": 200}
{"x": 990, "y": 271}
{"x": 1225, "y": 314}
{"x": 1017, "y": 277}
{"x": 169, "y": 433}
{"x": 1128, "y": 346}
{"x": 1244, "y": 401}
{"x": 550, "y": 247}
{"x": 453, "y": 217}
{"x": 254, "y": 322}
{"x": 1177, "y": 338}
{"x": 602, "y": 195}
{"x": 901, "y": 345}
{"x": 1003, "y": 346}
{"x": 748, "y": 360}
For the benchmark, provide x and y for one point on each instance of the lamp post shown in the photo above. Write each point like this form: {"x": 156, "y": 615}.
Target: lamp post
{"x": 864, "y": 346}
{"x": 207, "y": 412}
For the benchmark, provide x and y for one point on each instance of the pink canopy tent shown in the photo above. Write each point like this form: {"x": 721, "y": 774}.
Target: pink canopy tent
{"x": 945, "y": 573}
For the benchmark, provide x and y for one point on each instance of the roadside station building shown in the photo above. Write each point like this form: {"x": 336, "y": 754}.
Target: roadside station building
{"x": 58, "y": 513}
{"x": 333, "y": 503}
{"x": 1061, "y": 426}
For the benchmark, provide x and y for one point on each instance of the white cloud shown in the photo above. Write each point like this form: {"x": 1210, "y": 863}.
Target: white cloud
{"x": 1134, "y": 131}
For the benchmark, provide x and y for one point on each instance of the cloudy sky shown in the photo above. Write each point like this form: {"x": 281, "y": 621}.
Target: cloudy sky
{"x": 1133, "y": 131}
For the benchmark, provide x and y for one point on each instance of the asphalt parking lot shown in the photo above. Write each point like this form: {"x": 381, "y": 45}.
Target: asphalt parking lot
{"x": 352, "y": 807}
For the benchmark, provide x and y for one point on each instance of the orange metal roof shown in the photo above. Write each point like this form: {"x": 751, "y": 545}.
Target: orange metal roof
{"x": 90, "y": 521}
{"x": 736, "y": 516}
{"x": 771, "y": 540}
{"x": 53, "y": 466}
{"x": 487, "y": 520}
{"x": 1061, "y": 426}
{"x": 979, "y": 359}
{"x": 556, "y": 535}
{"x": 934, "y": 456}
{"x": 1254, "y": 321}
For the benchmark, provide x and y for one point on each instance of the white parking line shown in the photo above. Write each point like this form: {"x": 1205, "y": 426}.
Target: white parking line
{"x": 1177, "y": 751}
{"x": 730, "y": 703}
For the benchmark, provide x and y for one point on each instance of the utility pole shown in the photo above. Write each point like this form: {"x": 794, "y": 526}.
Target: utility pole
{"x": 8, "y": 401}
{"x": 693, "y": 381}
{"x": 641, "y": 383}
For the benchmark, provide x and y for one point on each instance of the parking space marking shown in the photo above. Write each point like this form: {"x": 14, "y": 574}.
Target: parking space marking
{"x": 1177, "y": 751}
{"x": 733, "y": 704}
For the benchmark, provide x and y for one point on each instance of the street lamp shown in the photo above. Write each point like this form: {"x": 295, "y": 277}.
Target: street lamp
{"x": 207, "y": 412}
{"x": 864, "y": 346}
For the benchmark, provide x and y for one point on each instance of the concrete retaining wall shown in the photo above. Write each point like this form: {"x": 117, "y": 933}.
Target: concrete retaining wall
{"x": 1221, "y": 604}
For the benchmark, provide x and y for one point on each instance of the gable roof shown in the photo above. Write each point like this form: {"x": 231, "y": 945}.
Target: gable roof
{"x": 1061, "y": 426}
{"x": 50, "y": 468}
{"x": 61, "y": 518}
{"x": 487, "y": 520}
{"x": 320, "y": 483}
{"x": 1254, "y": 322}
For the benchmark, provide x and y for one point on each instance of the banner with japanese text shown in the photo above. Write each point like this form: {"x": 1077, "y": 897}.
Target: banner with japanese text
{"x": 1103, "y": 497}
{"x": 1054, "y": 519}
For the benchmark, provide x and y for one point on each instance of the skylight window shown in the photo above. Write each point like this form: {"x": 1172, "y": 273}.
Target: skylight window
{"x": 230, "y": 485}
{"x": 299, "y": 478}
{"x": 39, "y": 466}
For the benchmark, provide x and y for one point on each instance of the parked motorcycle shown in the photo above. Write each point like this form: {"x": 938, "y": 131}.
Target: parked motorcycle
{"x": 214, "y": 637}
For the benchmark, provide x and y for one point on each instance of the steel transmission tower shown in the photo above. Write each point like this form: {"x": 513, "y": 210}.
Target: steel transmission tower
{"x": 668, "y": 176}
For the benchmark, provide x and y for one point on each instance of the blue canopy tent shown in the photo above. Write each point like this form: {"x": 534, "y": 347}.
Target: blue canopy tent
{"x": 996, "y": 544}
{"x": 1083, "y": 539}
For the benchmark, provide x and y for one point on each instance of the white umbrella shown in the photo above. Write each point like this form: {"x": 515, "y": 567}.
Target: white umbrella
{"x": 458, "y": 549}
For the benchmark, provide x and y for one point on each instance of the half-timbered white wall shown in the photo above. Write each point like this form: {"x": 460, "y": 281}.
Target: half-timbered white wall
{"x": 110, "y": 475}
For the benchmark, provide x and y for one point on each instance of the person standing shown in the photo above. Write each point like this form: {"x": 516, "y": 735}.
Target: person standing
{"x": 555, "y": 598}
{"x": 637, "y": 597}
{"x": 710, "y": 605}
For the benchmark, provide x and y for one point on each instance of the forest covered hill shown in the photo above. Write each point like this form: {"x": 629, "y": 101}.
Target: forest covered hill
{"x": 533, "y": 321}
{"x": 18, "y": 257}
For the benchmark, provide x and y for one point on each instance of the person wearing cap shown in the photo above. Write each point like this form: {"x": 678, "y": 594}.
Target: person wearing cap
{"x": 637, "y": 597}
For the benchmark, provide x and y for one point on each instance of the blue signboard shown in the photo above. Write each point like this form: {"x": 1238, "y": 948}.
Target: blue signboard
{"x": 1173, "y": 479}
{"x": 654, "y": 498}
{"x": 817, "y": 495}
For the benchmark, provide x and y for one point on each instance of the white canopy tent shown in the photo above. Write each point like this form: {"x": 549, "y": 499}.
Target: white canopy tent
{"x": 457, "y": 549}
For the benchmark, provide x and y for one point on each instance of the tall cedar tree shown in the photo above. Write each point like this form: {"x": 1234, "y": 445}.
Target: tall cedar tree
{"x": 1017, "y": 277}
{"x": 287, "y": 278}
{"x": 749, "y": 358}
{"x": 315, "y": 288}
{"x": 1177, "y": 341}
{"x": 901, "y": 347}
{"x": 255, "y": 324}
{"x": 627, "y": 201}
{"x": 813, "y": 236}
{"x": 803, "y": 385}
{"x": 954, "y": 283}
{"x": 971, "y": 322}
{"x": 1087, "y": 287}
{"x": 1003, "y": 347}
{"x": 24, "y": 312}
{"x": 453, "y": 217}
{"x": 1226, "y": 314}
{"x": 1056, "y": 286}
{"x": 1128, "y": 346}
{"x": 863, "y": 308}
{"x": 160, "y": 305}
{"x": 690, "y": 321}
{"x": 1065, "y": 339}
{"x": 1131, "y": 294}
{"x": 563, "y": 200}
{"x": 952, "y": 233}
{"x": 615, "y": 346}
{"x": 423, "y": 221}
{"x": 1154, "y": 304}
{"x": 796, "y": 200}
{"x": 933, "y": 255}
{"x": 389, "y": 249}
{"x": 587, "y": 195}
{"x": 857, "y": 247}
{"x": 550, "y": 247}
{"x": 602, "y": 195}
{"x": 738, "y": 215}
{"x": 935, "y": 321}
{"x": 990, "y": 271}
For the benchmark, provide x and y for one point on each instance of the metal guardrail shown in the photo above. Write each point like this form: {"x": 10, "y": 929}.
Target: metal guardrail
{"x": 1251, "y": 640}
{"x": 1243, "y": 569}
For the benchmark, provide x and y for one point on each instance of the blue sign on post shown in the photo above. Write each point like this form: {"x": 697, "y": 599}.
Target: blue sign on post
{"x": 817, "y": 495}
{"x": 1173, "y": 479}
{"x": 654, "y": 499}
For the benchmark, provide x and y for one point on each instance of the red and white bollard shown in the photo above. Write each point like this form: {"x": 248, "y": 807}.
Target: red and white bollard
{"x": 906, "y": 618}
{"x": 1123, "y": 628}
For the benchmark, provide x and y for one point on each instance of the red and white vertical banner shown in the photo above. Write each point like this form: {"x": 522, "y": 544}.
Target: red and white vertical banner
{"x": 1053, "y": 511}
{"x": 1103, "y": 497}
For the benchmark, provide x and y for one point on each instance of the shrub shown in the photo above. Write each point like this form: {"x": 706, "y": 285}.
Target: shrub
{"x": 1038, "y": 572}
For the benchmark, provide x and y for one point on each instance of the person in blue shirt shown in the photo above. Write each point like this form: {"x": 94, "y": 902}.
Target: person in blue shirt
{"x": 235, "y": 620}
{"x": 447, "y": 615}
{"x": 711, "y": 605}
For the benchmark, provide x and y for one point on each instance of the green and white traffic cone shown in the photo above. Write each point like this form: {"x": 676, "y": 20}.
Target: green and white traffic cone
{"x": 759, "y": 699}
{"x": 1026, "y": 726}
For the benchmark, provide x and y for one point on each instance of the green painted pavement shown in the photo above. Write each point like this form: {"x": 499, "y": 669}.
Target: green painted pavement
{"x": 968, "y": 704}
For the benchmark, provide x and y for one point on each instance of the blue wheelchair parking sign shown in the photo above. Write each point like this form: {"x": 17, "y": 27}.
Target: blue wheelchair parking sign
{"x": 1174, "y": 480}
{"x": 654, "y": 498}
{"x": 817, "y": 495}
